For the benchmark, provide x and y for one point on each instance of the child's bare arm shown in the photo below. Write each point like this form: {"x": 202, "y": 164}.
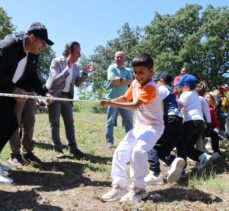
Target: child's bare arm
{"x": 122, "y": 103}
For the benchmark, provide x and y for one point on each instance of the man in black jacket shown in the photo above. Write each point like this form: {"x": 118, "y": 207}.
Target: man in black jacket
{"x": 19, "y": 55}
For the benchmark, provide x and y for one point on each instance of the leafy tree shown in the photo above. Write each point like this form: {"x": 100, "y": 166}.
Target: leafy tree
{"x": 198, "y": 39}
{"x": 216, "y": 46}
{"x": 6, "y": 27}
{"x": 45, "y": 59}
{"x": 127, "y": 40}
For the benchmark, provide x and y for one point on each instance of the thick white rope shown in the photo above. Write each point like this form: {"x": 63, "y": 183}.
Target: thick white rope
{"x": 43, "y": 98}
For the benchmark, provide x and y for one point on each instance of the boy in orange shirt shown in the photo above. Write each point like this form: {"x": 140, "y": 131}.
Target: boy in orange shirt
{"x": 148, "y": 128}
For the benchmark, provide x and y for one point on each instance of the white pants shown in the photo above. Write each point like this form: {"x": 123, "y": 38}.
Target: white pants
{"x": 133, "y": 149}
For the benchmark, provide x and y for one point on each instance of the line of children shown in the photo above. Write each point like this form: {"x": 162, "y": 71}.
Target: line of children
{"x": 145, "y": 139}
{"x": 194, "y": 125}
{"x": 171, "y": 136}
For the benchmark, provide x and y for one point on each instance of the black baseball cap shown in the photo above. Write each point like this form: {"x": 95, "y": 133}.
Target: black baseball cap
{"x": 39, "y": 30}
{"x": 163, "y": 75}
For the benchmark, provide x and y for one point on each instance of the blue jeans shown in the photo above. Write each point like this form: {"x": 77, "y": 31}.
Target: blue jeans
{"x": 112, "y": 113}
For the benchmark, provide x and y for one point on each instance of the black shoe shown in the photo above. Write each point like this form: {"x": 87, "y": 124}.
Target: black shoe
{"x": 32, "y": 158}
{"x": 76, "y": 153}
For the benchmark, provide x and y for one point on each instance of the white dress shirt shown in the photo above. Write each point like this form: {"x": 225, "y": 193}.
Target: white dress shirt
{"x": 20, "y": 69}
{"x": 68, "y": 81}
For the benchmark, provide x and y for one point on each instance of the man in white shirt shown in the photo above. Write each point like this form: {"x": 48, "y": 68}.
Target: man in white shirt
{"x": 64, "y": 74}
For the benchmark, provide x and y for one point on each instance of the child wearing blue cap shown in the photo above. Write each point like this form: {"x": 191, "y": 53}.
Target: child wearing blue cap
{"x": 193, "y": 122}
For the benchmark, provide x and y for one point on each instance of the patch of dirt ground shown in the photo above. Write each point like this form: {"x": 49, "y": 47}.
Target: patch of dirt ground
{"x": 61, "y": 185}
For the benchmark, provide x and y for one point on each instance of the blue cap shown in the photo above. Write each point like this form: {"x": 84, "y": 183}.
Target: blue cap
{"x": 186, "y": 79}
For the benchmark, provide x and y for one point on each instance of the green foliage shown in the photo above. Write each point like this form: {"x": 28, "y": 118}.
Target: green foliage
{"x": 6, "y": 27}
{"x": 127, "y": 40}
{"x": 199, "y": 39}
{"x": 45, "y": 59}
{"x": 196, "y": 38}
{"x": 76, "y": 107}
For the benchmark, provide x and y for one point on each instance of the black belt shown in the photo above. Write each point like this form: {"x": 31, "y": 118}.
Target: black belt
{"x": 65, "y": 93}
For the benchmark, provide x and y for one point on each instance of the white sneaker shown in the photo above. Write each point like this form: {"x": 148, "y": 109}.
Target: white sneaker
{"x": 215, "y": 155}
{"x": 4, "y": 179}
{"x": 114, "y": 194}
{"x": 151, "y": 179}
{"x": 208, "y": 145}
{"x": 205, "y": 159}
{"x": 134, "y": 195}
{"x": 5, "y": 167}
{"x": 110, "y": 145}
{"x": 176, "y": 168}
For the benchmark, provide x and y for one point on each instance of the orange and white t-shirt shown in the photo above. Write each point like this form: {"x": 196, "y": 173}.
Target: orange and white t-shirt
{"x": 150, "y": 112}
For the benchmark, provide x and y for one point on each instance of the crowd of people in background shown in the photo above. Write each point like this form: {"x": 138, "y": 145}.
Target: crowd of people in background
{"x": 178, "y": 113}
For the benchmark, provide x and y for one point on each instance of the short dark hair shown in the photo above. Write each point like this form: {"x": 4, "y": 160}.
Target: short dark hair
{"x": 69, "y": 47}
{"x": 201, "y": 88}
{"x": 142, "y": 59}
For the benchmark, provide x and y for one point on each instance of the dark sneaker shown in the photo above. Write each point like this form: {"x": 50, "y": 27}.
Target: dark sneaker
{"x": 17, "y": 160}
{"x": 32, "y": 158}
{"x": 59, "y": 153}
{"x": 76, "y": 153}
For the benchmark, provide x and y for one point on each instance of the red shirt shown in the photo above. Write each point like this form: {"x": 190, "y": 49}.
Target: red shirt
{"x": 214, "y": 120}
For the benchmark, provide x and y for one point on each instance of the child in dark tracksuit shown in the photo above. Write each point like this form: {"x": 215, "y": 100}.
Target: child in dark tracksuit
{"x": 171, "y": 136}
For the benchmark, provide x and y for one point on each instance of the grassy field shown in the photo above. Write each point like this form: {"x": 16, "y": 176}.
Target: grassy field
{"x": 69, "y": 184}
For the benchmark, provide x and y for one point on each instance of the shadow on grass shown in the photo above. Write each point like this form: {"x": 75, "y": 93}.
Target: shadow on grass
{"x": 98, "y": 159}
{"x": 56, "y": 176}
{"x": 89, "y": 157}
{"x": 21, "y": 200}
{"x": 181, "y": 194}
{"x": 47, "y": 146}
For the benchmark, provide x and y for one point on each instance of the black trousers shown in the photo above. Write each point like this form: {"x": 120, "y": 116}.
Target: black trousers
{"x": 170, "y": 139}
{"x": 192, "y": 131}
{"x": 214, "y": 140}
{"x": 8, "y": 121}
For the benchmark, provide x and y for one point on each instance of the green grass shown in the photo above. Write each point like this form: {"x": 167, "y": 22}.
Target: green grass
{"x": 211, "y": 181}
{"x": 90, "y": 136}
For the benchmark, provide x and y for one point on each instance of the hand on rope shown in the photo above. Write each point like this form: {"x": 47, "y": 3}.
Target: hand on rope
{"x": 50, "y": 99}
{"x": 19, "y": 91}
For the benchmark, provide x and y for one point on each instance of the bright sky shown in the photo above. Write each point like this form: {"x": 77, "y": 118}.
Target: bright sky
{"x": 90, "y": 22}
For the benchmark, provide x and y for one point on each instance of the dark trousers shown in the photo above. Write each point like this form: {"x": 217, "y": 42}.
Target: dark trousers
{"x": 8, "y": 121}
{"x": 192, "y": 131}
{"x": 25, "y": 113}
{"x": 170, "y": 138}
{"x": 214, "y": 140}
{"x": 63, "y": 109}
